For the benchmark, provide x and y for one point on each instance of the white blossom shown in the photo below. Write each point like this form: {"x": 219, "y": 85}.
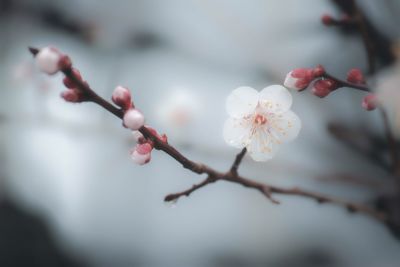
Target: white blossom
{"x": 260, "y": 121}
{"x": 48, "y": 60}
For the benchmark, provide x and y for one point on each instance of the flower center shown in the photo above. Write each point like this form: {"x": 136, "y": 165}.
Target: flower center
{"x": 260, "y": 119}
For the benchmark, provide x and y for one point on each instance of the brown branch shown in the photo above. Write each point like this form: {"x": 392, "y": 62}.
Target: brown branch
{"x": 238, "y": 160}
{"x": 213, "y": 175}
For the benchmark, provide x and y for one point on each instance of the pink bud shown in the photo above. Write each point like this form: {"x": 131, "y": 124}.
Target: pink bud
{"x": 318, "y": 71}
{"x": 370, "y": 102}
{"x": 64, "y": 62}
{"x": 162, "y": 137}
{"x": 299, "y": 79}
{"x": 133, "y": 119}
{"x": 144, "y": 148}
{"x": 142, "y": 153}
{"x": 122, "y": 97}
{"x": 72, "y": 95}
{"x": 48, "y": 60}
{"x": 140, "y": 159}
{"x": 322, "y": 88}
{"x": 327, "y": 20}
{"x": 68, "y": 82}
{"x": 355, "y": 76}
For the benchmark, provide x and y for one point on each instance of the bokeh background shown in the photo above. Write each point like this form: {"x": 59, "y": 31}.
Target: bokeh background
{"x": 69, "y": 193}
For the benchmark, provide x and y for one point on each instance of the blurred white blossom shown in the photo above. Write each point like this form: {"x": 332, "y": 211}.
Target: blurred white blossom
{"x": 388, "y": 94}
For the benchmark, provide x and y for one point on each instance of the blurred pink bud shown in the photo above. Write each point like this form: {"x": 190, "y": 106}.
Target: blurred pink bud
{"x": 299, "y": 79}
{"x": 48, "y": 60}
{"x": 144, "y": 148}
{"x": 142, "y": 153}
{"x": 318, "y": 71}
{"x": 355, "y": 76}
{"x": 133, "y": 119}
{"x": 64, "y": 62}
{"x": 322, "y": 88}
{"x": 140, "y": 159}
{"x": 162, "y": 137}
{"x": 122, "y": 97}
{"x": 68, "y": 82}
{"x": 327, "y": 20}
{"x": 370, "y": 102}
{"x": 73, "y": 95}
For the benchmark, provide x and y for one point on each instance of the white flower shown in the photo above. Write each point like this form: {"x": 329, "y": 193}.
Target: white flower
{"x": 48, "y": 60}
{"x": 260, "y": 121}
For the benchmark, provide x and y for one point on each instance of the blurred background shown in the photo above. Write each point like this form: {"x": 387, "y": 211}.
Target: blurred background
{"x": 69, "y": 193}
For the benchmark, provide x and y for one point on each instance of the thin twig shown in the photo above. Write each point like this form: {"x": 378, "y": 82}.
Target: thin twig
{"x": 174, "y": 197}
{"x": 238, "y": 160}
{"x": 342, "y": 83}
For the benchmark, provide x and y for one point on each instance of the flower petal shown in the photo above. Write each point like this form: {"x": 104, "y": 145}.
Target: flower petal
{"x": 275, "y": 99}
{"x": 285, "y": 127}
{"x": 242, "y": 101}
{"x": 236, "y": 132}
{"x": 263, "y": 146}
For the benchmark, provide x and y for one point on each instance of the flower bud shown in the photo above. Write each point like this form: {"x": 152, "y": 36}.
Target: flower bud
{"x": 133, "y": 119}
{"x": 370, "y": 102}
{"x": 68, "y": 82}
{"x": 48, "y": 60}
{"x": 322, "y": 88}
{"x": 64, "y": 62}
{"x": 355, "y": 76}
{"x": 122, "y": 97}
{"x": 140, "y": 159}
{"x": 143, "y": 149}
{"x": 299, "y": 79}
{"x": 142, "y": 153}
{"x": 318, "y": 71}
{"x": 327, "y": 20}
{"x": 73, "y": 95}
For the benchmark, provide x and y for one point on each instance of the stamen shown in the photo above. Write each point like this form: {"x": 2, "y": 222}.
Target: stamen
{"x": 260, "y": 119}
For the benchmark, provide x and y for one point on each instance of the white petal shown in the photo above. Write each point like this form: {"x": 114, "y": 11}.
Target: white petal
{"x": 276, "y": 99}
{"x": 242, "y": 101}
{"x": 263, "y": 146}
{"x": 236, "y": 132}
{"x": 285, "y": 127}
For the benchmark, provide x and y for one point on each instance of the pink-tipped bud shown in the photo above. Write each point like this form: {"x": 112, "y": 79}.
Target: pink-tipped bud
{"x": 299, "y": 79}
{"x": 161, "y": 137}
{"x": 72, "y": 95}
{"x": 322, "y": 88}
{"x": 370, "y": 102}
{"x": 122, "y": 97}
{"x": 68, "y": 82}
{"x": 327, "y": 20}
{"x": 64, "y": 62}
{"x": 318, "y": 71}
{"x": 48, "y": 60}
{"x": 139, "y": 158}
{"x": 133, "y": 119}
{"x": 143, "y": 149}
{"x": 142, "y": 153}
{"x": 355, "y": 76}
